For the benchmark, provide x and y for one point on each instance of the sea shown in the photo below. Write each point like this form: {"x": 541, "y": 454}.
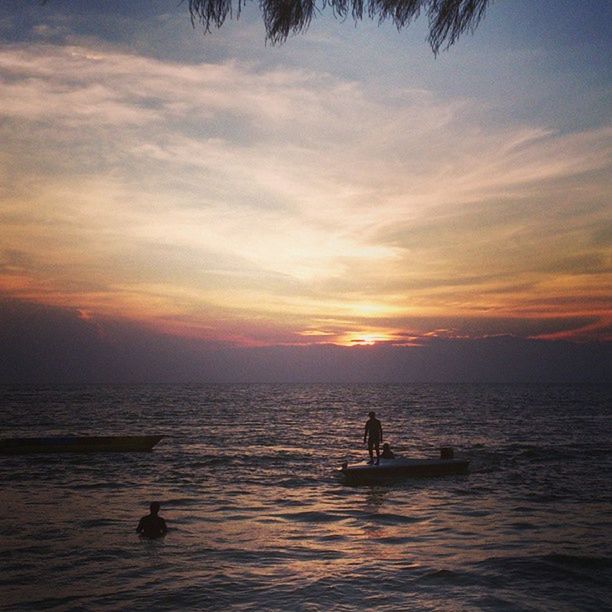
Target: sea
{"x": 260, "y": 519}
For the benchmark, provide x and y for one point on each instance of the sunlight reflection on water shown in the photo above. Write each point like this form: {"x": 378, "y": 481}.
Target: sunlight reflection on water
{"x": 259, "y": 517}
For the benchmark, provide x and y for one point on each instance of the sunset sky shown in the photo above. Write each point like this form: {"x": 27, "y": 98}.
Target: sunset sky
{"x": 347, "y": 187}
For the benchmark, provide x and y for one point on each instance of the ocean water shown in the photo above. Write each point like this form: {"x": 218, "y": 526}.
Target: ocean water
{"x": 260, "y": 519}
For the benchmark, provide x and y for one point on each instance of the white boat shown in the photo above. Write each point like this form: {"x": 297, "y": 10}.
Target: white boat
{"x": 387, "y": 469}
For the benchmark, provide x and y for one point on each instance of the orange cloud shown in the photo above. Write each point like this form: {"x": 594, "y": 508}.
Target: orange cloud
{"x": 283, "y": 206}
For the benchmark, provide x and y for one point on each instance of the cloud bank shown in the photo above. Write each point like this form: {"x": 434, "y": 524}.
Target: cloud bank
{"x": 49, "y": 345}
{"x": 256, "y": 204}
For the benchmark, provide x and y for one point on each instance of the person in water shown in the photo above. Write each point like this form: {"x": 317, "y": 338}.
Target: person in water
{"x": 152, "y": 525}
{"x": 387, "y": 453}
{"x": 374, "y": 435}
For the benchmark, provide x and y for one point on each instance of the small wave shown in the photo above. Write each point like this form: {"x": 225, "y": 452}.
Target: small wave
{"x": 97, "y": 486}
{"x": 92, "y": 523}
{"x": 522, "y": 526}
{"x": 472, "y": 491}
{"x": 396, "y": 540}
{"x": 332, "y": 537}
{"x": 580, "y": 561}
{"x": 386, "y": 518}
{"x": 446, "y": 577}
{"x": 541, "y": 454}
{"x": 180, "y": 502}
{"x": 490, "y": 459}
{"x": 544, "y": 498}
{"x": 311, "y": 517}
{"x": 296, "y": 482}
{"x": 554, "y": 568}
{"x": 476, "y": 513}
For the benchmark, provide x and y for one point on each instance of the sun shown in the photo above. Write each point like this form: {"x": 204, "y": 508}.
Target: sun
{"x": 367, "y": 338}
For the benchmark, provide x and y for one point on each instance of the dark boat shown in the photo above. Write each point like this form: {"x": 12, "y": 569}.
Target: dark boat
{"x": 393, "y": 469}
{"x": 78, "y": 444}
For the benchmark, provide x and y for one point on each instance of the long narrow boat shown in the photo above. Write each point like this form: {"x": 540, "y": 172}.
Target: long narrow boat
{"x": 393, "y": 469}
{"x": 78, "y": 444}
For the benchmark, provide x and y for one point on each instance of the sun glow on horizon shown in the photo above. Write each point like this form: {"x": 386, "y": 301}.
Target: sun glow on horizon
{"x": 364, "y": 339}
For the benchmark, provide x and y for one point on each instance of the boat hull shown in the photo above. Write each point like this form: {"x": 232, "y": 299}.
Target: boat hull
{"x": 78, "y": 444}
{"x": 393, "y": 469}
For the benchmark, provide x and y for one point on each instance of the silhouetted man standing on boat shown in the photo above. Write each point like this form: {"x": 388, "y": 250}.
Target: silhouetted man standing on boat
{"x": 152, "y": 525}
{"x": 374, "y": 435}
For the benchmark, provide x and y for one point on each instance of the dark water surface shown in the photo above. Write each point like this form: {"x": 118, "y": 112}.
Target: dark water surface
{"x": 260, "y": 520}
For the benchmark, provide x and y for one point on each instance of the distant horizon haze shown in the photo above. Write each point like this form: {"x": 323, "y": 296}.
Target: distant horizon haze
{"x": 44, "y": 345}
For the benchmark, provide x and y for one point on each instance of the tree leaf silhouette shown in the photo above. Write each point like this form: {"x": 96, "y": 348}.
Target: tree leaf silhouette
{"x": 448, "y": 19}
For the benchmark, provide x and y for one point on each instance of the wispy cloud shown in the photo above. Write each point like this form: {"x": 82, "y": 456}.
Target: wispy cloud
{"x": 236, "y": 201}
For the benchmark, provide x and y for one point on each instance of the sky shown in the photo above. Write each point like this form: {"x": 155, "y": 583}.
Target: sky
{"x": 181, "y": 197}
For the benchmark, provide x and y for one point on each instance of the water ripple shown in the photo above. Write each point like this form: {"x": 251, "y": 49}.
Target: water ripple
{"x": 260, "y": 520}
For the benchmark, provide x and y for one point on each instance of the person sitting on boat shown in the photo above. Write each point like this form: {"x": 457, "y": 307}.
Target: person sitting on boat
{"x": 387, "y": 453}
{"x": 374, "y": 434}
{"x": 152, "y": 525}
